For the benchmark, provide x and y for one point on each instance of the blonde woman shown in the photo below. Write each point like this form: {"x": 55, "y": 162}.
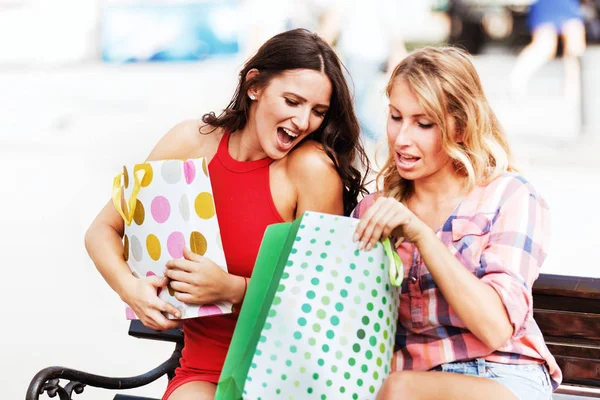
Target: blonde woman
{"x": 472, "y": 234}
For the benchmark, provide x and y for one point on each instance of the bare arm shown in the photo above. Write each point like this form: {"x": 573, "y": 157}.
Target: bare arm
{"x": 103, "y": 242}
{"x": 103, "y": 239}
{"x": 476, "y": 303}
{"x": 496, "y": 304}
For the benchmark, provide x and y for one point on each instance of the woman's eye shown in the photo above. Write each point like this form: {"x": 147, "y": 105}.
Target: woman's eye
{"x": 396, "y": 118}
{"x": 425, "y": 126}
{"x": 291, "y": 102}
{"x": 320, "y": 114}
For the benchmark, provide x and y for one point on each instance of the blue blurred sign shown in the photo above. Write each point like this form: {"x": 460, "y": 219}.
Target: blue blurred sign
{"x": 181, "y": 31}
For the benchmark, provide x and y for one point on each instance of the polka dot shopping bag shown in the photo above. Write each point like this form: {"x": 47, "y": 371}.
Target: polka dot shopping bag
{"x": 319, "y": 317}
{"x": 168, "y": 205}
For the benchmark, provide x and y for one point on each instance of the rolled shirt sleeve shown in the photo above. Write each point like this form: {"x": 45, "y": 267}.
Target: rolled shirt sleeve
{"x": 516, "y": 250}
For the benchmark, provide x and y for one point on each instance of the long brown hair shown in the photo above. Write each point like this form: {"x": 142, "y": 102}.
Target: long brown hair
{"x": 339, "y": 133}
{"x": 447, "y": 85}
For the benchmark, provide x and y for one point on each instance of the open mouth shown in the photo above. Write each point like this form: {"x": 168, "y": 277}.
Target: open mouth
{"x": 285, "y": 136}
{"x": 406, "y": 161}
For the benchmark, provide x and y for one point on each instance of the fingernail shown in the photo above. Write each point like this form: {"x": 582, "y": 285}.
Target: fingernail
{"x": 355, "y": 237}
{"x": 369, "y": 247}
{"x": 361, "y": 245}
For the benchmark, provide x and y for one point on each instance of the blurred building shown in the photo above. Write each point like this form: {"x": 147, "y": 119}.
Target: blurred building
{"x": 58, "y": 32}
{"x": 48, "y": 32}
{"x": 168, "y": 31}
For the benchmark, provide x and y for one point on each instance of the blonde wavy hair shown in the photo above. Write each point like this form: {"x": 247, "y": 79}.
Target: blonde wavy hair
{"x": 447, "y": 85}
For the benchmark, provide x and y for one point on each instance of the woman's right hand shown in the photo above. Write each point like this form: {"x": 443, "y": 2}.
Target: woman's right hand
{"x": 141, "y": 296}
{"x": 385, "y": 217}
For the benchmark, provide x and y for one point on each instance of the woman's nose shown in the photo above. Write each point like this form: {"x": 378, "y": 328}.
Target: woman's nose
{"x": 403, "y": 135}
{"x": 301, "y": 120}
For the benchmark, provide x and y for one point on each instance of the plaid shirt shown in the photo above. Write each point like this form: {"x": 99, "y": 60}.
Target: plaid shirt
{"x": 500, "y": 233}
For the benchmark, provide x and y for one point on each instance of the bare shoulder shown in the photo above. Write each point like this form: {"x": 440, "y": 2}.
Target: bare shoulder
{"x": 309, "y": 160}
{"x": 316, "y": 180}
{"x": 187, "y": 139}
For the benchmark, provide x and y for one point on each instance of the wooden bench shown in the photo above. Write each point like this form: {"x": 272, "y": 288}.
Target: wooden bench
{"x": 567, "y": 309}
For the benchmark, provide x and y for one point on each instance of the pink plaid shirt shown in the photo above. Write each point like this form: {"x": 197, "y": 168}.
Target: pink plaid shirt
{"x": 499, "y": 232}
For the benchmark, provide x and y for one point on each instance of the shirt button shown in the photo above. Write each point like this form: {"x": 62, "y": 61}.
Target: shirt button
{"x": 413, "y": 279}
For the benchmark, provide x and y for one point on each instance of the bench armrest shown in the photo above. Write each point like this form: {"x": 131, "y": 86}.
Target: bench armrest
{"x": 48, "y": 379}
{"x": 138, "y": 330}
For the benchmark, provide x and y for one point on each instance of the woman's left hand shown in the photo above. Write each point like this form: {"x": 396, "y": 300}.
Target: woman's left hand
{"x": 386, "y": 216}
{"x": 197, "y": 279}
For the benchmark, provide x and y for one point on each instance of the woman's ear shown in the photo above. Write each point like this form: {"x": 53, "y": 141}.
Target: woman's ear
{"x": 459, "y": 136}
{"x": 457, "y": 133}
{"x": 253, "y": 90}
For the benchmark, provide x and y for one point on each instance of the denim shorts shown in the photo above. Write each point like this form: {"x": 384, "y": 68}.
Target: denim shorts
{"x": 526, "y": 381}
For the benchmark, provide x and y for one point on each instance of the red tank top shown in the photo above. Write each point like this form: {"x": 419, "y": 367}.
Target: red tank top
{"x": 245, "y": 208}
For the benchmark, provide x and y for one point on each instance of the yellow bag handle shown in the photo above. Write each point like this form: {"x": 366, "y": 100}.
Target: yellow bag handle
{"x": 117, "y": 192}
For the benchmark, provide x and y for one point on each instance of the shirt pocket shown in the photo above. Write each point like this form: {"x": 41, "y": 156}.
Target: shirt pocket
{"x": 470, "y": 237}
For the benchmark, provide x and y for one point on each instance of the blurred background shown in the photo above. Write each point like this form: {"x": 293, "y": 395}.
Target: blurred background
{"x": 88, "y": 85}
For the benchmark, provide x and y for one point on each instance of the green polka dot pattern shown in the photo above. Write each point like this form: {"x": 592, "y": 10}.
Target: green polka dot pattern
{"x": 336, "y": 317}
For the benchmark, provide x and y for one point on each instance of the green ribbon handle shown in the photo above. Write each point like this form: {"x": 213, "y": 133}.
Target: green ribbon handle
{"x": 396, "y": 265}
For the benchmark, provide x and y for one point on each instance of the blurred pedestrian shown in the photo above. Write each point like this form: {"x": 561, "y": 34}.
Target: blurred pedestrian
{"x": 547, "y": 19}
{"x": 261, "y": 20}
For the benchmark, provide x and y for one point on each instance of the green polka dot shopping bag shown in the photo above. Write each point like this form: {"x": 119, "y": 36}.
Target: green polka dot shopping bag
{"x": 319, "y": 317}
{"x": 168, "y": 205}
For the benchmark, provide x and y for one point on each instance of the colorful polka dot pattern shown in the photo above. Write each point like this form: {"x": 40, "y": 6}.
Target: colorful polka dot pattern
{"x": 174, "y": 210}
{"x": 330, "y": 330}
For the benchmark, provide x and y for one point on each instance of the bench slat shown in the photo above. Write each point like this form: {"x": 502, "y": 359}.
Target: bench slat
{"x": 579, "y": 371}
{"x": 568, "y": 286}
{"x": 567, "y": 392}
{"x": 568, "y": 324}
{"x": 587, "y": 350}
{"x": 561, "y": 303}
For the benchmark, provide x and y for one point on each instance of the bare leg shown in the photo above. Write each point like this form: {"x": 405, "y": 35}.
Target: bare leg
{"x": 194, "y": 391}
{"x": 541, "y": 50}
{"x": 415, "y": 385}
{"x": 573, "y": 32}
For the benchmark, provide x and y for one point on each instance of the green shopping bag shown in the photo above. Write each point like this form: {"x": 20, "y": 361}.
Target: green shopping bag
{"x": 319, "y": 317}
{"x": 261, "y": 290}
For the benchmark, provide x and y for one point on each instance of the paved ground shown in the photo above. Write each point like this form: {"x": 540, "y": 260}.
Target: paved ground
{"x": 64, "y": 133}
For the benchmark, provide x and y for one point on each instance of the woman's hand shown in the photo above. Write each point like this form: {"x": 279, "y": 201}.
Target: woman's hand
{"x": 386, "y": 216}
{"x": 198, "y": 280}
{"x": 148, "y": 307}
